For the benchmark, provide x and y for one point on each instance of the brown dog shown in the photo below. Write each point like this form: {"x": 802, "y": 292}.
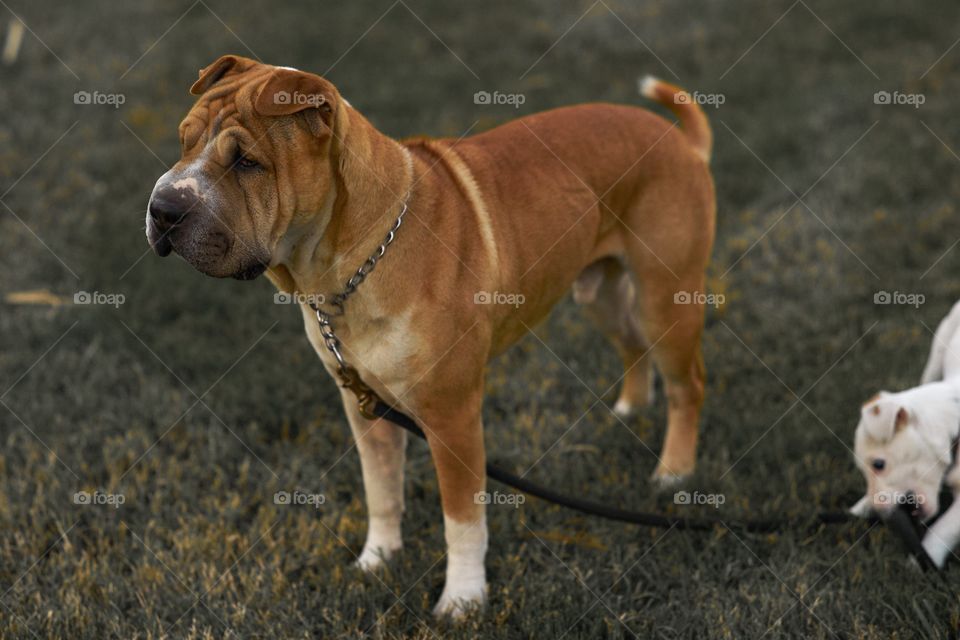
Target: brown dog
{"x": 280, "y": 174}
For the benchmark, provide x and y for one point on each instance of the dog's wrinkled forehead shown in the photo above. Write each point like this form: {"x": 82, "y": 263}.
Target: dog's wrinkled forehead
{"x": 221, "y": 87}
{"x": 237, "y": 91}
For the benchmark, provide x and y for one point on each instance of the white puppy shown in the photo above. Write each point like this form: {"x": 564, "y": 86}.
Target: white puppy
{"x": 906, "y": 444}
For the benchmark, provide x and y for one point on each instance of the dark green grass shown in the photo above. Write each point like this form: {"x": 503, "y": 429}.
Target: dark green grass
{"x": 199, "y": 549}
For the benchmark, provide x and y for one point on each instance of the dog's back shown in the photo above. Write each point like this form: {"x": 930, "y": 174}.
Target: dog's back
{"x": 944, "y": 360}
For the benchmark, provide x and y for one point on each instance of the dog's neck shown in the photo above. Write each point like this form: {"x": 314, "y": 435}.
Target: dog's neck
{"x": 321, "y": 254}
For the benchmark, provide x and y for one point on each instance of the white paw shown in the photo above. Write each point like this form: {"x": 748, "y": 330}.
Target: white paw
{"x": 373, "y": 558}
{"x": 936, "y": 548}
{"x": 664, "y": 481}
{"x": 623, "y": 409}
{"x": 457, "y": 601}
{"x": 863, "y": 508}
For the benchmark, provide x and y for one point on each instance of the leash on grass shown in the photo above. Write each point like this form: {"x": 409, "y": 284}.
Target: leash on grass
{"x": 382, "y": 410}
{"x": 372, "y": 407}
{"x": 899, "y": 520}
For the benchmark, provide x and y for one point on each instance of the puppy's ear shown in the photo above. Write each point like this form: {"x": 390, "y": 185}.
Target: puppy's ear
{"x": 882, "y": 419}
{"x": 288, "y": 91}
{"x": 215, "y": 72}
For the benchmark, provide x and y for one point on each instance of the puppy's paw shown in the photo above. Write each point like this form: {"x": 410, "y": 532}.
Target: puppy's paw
{"x": 457, "y": 601}
{"x": 863, "y": 508}
{"x": 936, "y": 548}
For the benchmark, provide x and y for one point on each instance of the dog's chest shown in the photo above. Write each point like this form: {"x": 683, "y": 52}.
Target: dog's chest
{"x": 382, "y": 351}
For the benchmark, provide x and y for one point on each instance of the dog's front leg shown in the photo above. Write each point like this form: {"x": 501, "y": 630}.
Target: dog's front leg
{"x": 382, "y": 452}
{"x": 456, "y": 445}
{"x": 943, "y": 536}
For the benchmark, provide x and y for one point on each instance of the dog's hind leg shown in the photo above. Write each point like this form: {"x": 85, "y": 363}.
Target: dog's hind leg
{"x": 608, "y": 296}
{"x": 676, "y": 329}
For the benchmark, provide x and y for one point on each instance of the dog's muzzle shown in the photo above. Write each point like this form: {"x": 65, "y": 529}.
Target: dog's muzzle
{"x": 168, "y": 209}
{"x": 182, "y": 217}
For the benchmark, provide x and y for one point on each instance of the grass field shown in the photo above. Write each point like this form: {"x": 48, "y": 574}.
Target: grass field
{"x": 195, "y": 400}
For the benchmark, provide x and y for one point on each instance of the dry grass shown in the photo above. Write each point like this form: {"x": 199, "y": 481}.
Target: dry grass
{"x": 105, "y": 399}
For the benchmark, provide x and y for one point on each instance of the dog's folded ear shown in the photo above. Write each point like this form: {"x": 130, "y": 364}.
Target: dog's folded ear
{"x": 215, "y": 72}
{"x": 288, "y": 91}
{"x": 884, "y": 418}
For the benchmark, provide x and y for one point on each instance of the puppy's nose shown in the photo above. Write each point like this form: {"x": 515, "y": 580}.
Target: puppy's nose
{"x": 167, "y": 212}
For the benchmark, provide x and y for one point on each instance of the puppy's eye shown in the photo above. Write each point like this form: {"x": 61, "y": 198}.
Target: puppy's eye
{"x": 878, "y": 464}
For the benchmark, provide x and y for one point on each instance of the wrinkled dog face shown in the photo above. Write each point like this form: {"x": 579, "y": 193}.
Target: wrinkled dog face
{"x": 254, "y": 156}
{"x": 901, "y": 454}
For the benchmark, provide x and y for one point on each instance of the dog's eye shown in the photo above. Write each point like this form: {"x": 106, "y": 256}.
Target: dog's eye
{"x": 878, "y": 464}
{"x": 243, "y": 162}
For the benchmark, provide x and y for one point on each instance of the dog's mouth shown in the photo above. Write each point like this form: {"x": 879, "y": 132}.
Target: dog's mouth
{"x": 909, "y": 529}
{"x": 210, "y": 253}
{"x": 914, "y": 506}
{"x": 162, "y": 244}
{"x": 250, "y": 272}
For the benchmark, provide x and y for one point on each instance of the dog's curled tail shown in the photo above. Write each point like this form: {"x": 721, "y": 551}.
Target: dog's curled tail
{"x": 692, "y": 118}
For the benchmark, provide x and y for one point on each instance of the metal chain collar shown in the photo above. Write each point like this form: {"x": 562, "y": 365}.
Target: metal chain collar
{"x": 349, "y": 378}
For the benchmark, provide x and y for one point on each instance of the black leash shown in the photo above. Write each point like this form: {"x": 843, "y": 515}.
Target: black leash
{"x": 382, "y": 410}
{"x": 899, "y": 521}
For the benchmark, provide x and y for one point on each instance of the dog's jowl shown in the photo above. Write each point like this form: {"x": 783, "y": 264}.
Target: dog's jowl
{"x": 280, "y": 175}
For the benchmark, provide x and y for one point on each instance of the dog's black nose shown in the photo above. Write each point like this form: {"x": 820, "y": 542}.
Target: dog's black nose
{"x": 167, "y": 213}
